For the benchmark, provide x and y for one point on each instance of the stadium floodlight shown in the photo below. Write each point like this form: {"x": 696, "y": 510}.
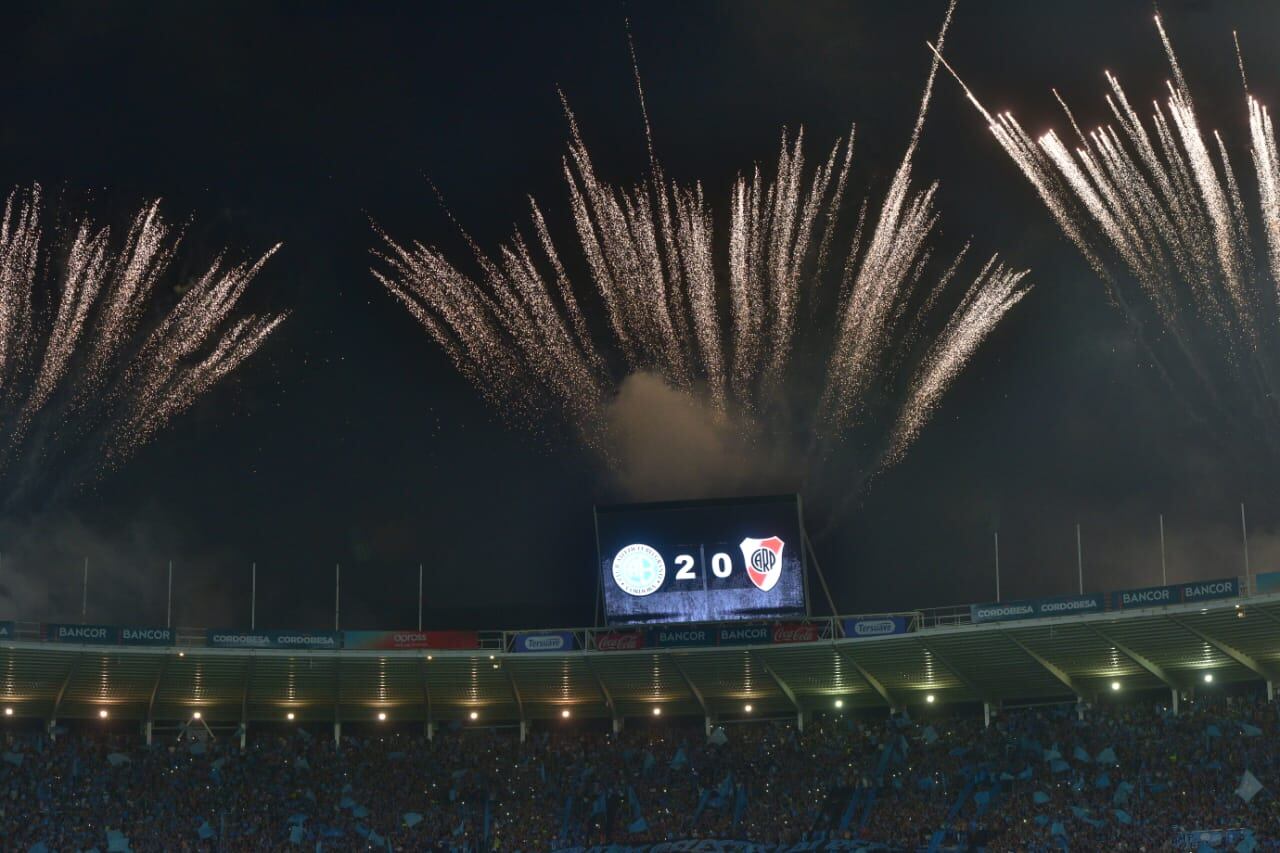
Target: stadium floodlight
{"x": 1208, "y": 678}
{"x": 1115, "y": 685}
{"x": 565, "y": 713}
{"x": 8, "y": 712}
{"x": 196, "y": 715}
{"x": 747, "y": 708}
{"x": 289, "y": 716}
{"x": 102, "y": 715}
{"x": 382, "y": 716}
{"x": 929, "y": 698}
{"x": 182, "y": 654}
{"x": 839, "y": 703}
{"x": 657, "y": 712}
{"x": 475, "y": 715}
{"x": 431, "y": 657}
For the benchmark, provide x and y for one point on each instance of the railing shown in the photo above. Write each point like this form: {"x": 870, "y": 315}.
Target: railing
{"x": 806, "y": 629}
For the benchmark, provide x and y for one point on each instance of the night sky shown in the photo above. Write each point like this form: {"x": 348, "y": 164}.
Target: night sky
{"x": 350, "y": 439}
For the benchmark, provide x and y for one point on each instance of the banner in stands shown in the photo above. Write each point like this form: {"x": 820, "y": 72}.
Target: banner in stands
{"x": 620, "y": 641}
{"x": 875, "y": 626}
{"x": 108, "y": 635}
{"x": 1035, "y": 608}
{"x": 1216, "y": 839}
{"x": 411, "y": 640}
{"x": 1267, "y": 582}
{"x": 1159, "y": 596}
{"x": 274, "y": 639}
{"x": 545, "y": 641}
{"x": 8, "y": 631}
{"x": 714, "y": 845}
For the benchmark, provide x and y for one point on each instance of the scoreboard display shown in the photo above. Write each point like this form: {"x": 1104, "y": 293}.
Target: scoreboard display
{"x": 702, "y": 561}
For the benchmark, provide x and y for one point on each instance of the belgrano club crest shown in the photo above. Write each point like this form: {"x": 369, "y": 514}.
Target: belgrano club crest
{"x": 764, "y": 561}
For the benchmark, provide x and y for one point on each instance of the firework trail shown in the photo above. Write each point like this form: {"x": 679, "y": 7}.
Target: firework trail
{"x": 1161, "y": 202}
{"x": 87, "y": 376}
{"x": 727, "y": 331}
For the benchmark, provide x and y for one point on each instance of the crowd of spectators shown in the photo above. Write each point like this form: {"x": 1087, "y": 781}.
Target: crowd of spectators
{"x": 1123, "y": 776}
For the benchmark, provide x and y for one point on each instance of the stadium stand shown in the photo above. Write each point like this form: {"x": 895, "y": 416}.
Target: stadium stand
{"x": 1135, "y": 727}
{"x": 1123, "y": 776}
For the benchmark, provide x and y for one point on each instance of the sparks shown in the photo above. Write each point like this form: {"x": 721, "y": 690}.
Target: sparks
{"x": 86, "y": 377}
{"x": 1160, "y": 201}
{"x": 728, "y": 330}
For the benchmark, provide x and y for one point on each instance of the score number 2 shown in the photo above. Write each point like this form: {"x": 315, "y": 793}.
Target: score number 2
{"x": 721, "y": 566}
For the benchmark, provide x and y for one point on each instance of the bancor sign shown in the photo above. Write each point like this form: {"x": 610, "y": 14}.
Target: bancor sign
{"x": 108, "y": 635}
{"x": 1159, "y": 596}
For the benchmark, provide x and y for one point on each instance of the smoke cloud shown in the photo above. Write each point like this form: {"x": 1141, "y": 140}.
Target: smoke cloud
{"x": 42, "y": 573}
{"x": 670, "y": 444}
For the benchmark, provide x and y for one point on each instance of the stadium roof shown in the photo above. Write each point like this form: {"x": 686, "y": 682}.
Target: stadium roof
{"x": 1040, "y": 659}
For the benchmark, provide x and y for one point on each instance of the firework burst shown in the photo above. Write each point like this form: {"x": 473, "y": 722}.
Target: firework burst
{"x": 726, "y": 331}
{"x": 88, "y": 374}
{"x": 1158, "y": 213}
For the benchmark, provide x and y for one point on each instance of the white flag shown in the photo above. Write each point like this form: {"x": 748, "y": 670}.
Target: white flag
{"x": 1249, "y": 787}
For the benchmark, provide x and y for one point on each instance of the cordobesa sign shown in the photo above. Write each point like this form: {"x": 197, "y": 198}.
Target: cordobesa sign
{"x": 1125, "y": 599}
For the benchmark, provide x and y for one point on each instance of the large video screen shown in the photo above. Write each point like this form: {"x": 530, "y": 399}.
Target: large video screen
{"x": 701, "y": 561}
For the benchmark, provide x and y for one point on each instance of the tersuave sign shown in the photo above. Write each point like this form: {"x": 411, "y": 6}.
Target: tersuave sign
{"x": 875, "y": 626}
{"x": 545, "y": 641}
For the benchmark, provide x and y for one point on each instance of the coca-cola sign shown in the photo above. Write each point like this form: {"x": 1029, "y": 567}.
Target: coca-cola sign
{"x": 620, "y": 641}
{"x": 795, "y": 632}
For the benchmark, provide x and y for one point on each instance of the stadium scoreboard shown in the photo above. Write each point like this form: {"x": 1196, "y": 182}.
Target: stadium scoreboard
{"x": 702, "y": 561}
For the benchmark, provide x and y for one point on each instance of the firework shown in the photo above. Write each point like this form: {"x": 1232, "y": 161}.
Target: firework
{"x": 725, "y": 330}
{"x": 1157, "y": 212}
{"x": 87, "y": 373}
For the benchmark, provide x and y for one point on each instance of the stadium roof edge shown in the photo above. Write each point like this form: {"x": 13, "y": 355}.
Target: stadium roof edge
{"x": 967, "y": 663}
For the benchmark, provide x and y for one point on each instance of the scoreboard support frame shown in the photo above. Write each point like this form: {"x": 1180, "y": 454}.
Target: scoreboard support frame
{"x": 817, "y": 569}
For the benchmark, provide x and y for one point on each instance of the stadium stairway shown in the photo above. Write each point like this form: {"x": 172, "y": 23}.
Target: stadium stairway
{"x": 850, "y": 811}
{"x": 866, "y": 812}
